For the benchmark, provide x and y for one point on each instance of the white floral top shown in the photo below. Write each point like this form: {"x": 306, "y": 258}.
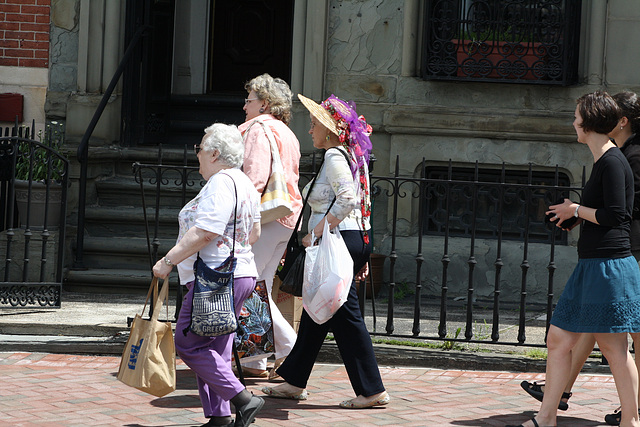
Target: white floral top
{"x": 335, "y": 180}
{"x": 212, "y": 210}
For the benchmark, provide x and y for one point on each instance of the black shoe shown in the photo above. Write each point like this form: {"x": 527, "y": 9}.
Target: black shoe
{"x": 614, "y": 419}
{"x": 247, "y": 413}
{"x": 535, "y": 390}
{"x": 216, "y": 421}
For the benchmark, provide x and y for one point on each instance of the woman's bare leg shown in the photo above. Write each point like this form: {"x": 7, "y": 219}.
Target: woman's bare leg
{"x": 560, "y": 344}
{"x": 615, "y": 348}
{"x": 579, "y": 355}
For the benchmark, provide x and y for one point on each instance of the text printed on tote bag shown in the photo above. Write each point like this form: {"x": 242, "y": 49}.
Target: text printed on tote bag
{"x": 133, "y": 357}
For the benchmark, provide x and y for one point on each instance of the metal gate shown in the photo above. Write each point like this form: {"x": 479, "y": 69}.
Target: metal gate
{"x": 33, "y": 195}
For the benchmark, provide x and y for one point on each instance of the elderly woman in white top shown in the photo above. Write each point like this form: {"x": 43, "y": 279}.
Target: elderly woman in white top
{"x": 336, "y": 128}
{"x": 207, "y": 227}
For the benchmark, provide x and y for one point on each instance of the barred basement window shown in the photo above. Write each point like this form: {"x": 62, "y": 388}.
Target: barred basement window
{"x": 511, "y": 203}
{"x": 518, "y": 41}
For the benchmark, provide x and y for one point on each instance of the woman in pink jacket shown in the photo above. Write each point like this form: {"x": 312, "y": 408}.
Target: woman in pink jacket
{"x": 269, "y": 103}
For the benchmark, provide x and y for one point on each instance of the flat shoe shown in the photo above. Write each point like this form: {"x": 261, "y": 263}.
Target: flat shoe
{"x": 252, "y": 373}
{"x": 382, "y": 400}
{"x": 614, "y": 419}
{"x": 273, "y": 375}
{"x": 247, "y": 413}
{"x": 535, "y": 390}
{"x": 270, "y": 391}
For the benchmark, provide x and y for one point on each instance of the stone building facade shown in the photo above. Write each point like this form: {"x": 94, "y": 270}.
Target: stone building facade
{"x": 372, "y": 52}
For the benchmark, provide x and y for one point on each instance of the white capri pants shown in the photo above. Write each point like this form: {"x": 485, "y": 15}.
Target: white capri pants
{"x": 267, "y": 252}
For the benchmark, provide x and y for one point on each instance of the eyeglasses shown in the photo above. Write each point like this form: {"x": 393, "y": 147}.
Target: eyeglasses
{"x": 196, "y": 148}
{"x": 248, "y": 100}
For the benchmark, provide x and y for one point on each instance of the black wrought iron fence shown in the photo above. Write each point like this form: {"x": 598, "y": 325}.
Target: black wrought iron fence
{"x": 33, "y": 195}
{"x": 524, "y": 41}
{"x": 435, "y": 283}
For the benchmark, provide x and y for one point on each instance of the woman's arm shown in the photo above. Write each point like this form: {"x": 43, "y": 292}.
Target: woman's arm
{"x": 613, "y": 189}
{"x": 194, "y": 240}
{"x": 567, "y": 210}
{"x": 255, "y": 233}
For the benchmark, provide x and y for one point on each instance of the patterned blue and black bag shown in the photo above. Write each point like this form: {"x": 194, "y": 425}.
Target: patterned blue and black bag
{"x": 212, "y": 311}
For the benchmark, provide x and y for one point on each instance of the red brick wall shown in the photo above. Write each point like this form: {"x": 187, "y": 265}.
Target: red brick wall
{"x": 24, "y": 33}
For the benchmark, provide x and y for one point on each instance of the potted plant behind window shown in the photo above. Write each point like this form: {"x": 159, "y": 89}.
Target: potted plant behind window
{"x": 35, "y": 167}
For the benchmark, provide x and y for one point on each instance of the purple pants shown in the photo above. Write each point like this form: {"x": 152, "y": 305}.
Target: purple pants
{"x": 210, "y": 358}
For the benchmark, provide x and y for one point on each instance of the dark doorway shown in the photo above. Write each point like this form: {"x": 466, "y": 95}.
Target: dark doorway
{"x": 244, "y": 38}
{"x": 249, "y": 37}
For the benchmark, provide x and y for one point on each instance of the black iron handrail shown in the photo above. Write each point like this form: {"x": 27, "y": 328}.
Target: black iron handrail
{"x": 83, "y": 148}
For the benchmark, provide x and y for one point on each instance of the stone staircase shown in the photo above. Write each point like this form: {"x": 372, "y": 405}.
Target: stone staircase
{"x": 117, "y": 253}
{"x": 116, "y": 256}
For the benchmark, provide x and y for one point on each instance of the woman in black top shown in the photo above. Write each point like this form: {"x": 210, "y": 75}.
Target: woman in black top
{"x": 602, "y": 296}
{"x": 626, "y": 135}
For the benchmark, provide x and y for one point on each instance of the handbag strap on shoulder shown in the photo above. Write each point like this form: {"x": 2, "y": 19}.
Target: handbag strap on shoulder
{"x": 275, "y": 153}
{"x": 313, "y": 183}
{"x": 235, "y": 215}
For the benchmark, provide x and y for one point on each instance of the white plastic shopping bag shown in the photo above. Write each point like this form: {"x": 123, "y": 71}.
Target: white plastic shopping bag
{"x": 328, "y": 273}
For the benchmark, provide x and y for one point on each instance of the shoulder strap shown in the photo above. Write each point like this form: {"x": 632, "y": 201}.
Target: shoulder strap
{"x": 304, "y": 204}
{"x": 273, "y": 145}
{"x": 235, "y": 215}
{"x": 344, "y": 154}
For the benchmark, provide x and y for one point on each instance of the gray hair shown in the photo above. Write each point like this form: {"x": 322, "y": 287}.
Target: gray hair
{"x": 227, "y": 140}
{"x": 276, "y": 92}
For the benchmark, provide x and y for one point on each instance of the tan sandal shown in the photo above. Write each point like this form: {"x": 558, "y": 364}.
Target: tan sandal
{"x": 273, "y": 375}
{"x": 383, "y": 399}
{"x": 270, "y": 391}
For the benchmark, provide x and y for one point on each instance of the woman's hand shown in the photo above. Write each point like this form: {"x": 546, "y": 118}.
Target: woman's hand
{"x": 161, "y": 269}
{"x": 363, "y": 273}
{"x": 563, "y": 212}
{"x": 308, "y": 240}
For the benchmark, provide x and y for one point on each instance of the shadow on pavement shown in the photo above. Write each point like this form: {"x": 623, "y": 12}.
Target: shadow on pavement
{"x": 514, "y": 419}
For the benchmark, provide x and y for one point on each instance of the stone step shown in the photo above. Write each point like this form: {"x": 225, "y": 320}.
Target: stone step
{"x": 128, "y": 221}
{"x": 122, "y": 252}
{"x": 125, "y": 191}
{"x": 111, "y": 280}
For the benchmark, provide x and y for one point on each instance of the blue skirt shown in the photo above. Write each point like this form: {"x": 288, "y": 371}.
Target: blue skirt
{"x": 601, "y": 296}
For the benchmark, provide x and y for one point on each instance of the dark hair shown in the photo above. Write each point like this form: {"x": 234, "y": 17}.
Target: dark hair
{"x": 599, "y": 112}
{"x": 630, "y": 108}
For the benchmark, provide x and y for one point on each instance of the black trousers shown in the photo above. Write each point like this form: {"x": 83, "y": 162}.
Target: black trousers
{"x": 350, "y": 333}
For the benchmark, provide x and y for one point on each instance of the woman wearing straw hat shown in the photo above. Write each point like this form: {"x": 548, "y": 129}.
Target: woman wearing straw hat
{"x": 337, "y": 128}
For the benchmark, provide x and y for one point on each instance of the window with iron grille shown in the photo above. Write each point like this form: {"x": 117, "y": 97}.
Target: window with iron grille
{"x": 493, "y": 203}
{"x": 519, "y": 41}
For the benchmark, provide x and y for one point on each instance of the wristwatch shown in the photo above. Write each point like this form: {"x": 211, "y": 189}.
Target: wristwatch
{"x": 168, "y": 262}
{"x": 576, "y": 212}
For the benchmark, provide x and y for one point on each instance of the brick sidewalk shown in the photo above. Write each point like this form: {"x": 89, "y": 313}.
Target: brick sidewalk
{"x": 68, "y": 390}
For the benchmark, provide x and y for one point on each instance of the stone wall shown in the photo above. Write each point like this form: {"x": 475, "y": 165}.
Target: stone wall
{"x": 370, "y": 60}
